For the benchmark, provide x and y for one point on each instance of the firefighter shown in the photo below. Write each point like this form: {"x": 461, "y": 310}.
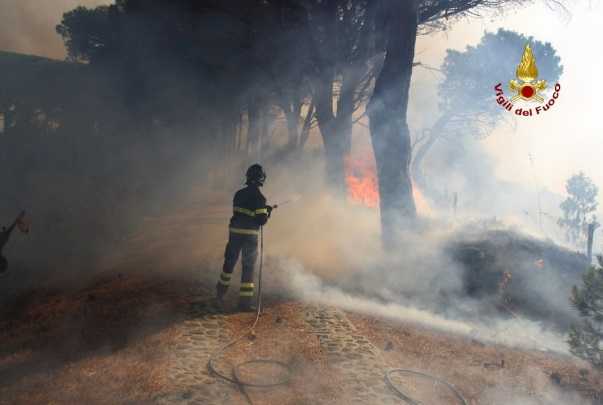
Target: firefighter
{"x": 250, "y": 212}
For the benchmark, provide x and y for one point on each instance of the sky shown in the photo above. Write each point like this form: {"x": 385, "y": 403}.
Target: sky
{"x": 567, "y": 139}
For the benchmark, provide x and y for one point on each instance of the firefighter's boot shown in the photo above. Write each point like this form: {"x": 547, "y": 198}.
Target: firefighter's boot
{"x": 246, "y": 303}
{"x": 246, "y": 307}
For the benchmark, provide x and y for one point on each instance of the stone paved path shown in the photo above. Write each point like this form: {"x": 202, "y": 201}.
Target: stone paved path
{"x": 352, "y": 355}
{"x": 203, "y": 333}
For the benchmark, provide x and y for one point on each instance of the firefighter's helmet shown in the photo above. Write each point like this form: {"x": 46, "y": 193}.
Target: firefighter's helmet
{"x": 256, "y": 175}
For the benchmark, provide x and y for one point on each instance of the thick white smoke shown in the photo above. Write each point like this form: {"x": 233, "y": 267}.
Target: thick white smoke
{"x": 515, "y": 332}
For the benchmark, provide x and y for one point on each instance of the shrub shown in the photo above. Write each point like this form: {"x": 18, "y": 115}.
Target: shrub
{"x": 585, "y": 339}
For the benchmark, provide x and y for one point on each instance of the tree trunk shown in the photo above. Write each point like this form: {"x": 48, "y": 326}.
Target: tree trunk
{"x": 345, "y": 106}
{"x": 327, "y": 123}
{"x": 336, "y": 129}
{"x": 335, "y": 153}
{"x": 388, "y": 125}
{"x": 305, "y": 132}
{"x": 254, "y": 123}
{"x": 291, "y": 108}
{"x": 292, "y": 119}
{"x": 421, "y": 152}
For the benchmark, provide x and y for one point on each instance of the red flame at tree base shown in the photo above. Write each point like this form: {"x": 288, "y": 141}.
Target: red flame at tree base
{"x": 363, "y": 185}
{"x": 361, "y": 181}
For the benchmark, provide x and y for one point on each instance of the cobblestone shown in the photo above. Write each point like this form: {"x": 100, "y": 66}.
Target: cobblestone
{"x": 351, "y": 355}
{"x": 357, "y": 360}
{"x": 203, "y": 334}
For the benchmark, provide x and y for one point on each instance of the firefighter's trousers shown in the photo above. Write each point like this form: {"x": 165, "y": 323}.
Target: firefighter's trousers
{"x": 248, "y": 244}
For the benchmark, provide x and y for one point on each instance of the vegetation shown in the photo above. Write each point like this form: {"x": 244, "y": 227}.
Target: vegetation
{"x": 467, "y": 107}
{"x": 215, "y": 78}
{"x": 586, "y": 340}
{"x": 578, "y": 207}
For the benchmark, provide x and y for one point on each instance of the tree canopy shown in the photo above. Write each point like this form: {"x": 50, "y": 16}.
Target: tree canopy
{"x": 578, "y": 207}
{"x": 470, "y": 75}
{"x": 467, "y": 104}
{"x": 239, "y": 61}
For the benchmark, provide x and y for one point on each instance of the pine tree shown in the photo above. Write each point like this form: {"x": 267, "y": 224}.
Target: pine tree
{"x": 585, "y": 340}
{"x": 578, "y": 207}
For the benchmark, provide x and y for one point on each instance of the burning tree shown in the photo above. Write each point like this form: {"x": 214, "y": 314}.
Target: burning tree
{"x": 388, "y": 106}
{"x": 585, "y": 340}
{"x": 235, "y": 58}
{"x": 578, "y": 207}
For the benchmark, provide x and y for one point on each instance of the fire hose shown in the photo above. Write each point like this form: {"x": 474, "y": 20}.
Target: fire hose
{"x": 237, "y": 379}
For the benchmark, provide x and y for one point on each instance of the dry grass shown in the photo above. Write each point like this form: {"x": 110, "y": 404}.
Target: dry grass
{"x": 102, "y": 344}
{"x": 476, "y": 368}
{"x": 108, "y": 342}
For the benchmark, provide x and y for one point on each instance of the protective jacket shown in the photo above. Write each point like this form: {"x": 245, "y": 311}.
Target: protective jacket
{"x": 249, "y": 211}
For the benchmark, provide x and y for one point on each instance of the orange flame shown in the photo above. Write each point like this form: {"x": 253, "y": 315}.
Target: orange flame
{"x": 363, "y": 186}
{"x": 361, "y": 179}
{"x": 421, "y": 202}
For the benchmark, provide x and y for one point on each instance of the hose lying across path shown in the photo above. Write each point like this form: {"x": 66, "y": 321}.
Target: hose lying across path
{"x": 241, "y": 383}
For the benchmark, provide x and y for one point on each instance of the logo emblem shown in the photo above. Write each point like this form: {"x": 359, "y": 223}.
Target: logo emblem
{"x": 526, "y": 87}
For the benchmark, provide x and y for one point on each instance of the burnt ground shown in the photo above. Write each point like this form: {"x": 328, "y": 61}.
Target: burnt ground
{"x": 101, "y": 344}
{"x": 144, "y": 337}
{"x": 138, "y": 339}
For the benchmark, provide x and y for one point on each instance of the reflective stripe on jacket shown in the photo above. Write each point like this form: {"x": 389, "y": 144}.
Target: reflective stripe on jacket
{"x": 249, "y": 211}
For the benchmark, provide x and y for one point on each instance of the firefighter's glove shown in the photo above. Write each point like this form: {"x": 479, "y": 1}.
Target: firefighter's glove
{"x": 269, "y": 209}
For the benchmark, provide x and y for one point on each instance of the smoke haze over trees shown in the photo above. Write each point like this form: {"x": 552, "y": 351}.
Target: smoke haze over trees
{"x": 132, "y": 146}
{"x": 242, "y": 59}
{"x": 150, "y": 85}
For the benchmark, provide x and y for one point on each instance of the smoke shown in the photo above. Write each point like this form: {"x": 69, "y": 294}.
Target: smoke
{"x": 327, "y": 250}
{"x": 169, "y": 221}
{"x": 521, "y": 333}
{"x": 27, "y": 26}
{"x": 164, "y": 201}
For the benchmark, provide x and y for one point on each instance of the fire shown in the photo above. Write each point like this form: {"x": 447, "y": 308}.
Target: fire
{"x": 421, "y": 203}
{"x": 361, "y": 179}
{"x": 363, "y": 186}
